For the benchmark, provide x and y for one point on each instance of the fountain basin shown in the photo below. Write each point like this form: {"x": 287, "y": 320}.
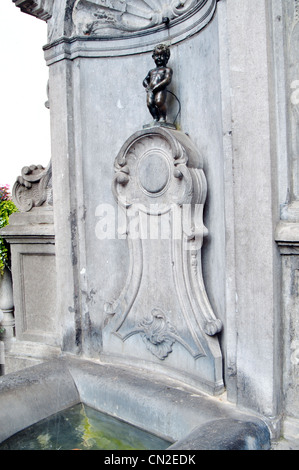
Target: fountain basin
{"x": 186, "y": 418}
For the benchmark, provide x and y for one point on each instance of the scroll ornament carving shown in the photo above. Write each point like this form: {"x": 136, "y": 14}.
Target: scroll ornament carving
{"x": 116, "y": 17}
{"x": 33, "y": 188}
{"x": 104, "y": 16}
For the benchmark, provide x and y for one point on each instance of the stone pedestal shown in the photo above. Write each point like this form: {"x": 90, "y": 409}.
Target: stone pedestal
{"x": 36, "y": 333}
{"x": 31, "y": 238}
{"x": 287, "y": 237}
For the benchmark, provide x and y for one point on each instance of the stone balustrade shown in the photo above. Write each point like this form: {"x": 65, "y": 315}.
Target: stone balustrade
{"x": 7, "y": 307}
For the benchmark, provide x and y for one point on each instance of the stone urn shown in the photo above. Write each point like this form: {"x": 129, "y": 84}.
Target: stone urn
{"x": 7, "y": 321}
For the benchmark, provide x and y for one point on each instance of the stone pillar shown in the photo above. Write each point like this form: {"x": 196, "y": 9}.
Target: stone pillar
{"x": 287, "y": 237}
{"x": 253, "y": 323}
{"x": 30, "y": 233}
{"x": 287, "y": 232}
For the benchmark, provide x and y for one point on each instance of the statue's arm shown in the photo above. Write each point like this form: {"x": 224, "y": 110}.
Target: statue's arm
{"x": 165, "y": 82}
{"x": 146, "y": 81}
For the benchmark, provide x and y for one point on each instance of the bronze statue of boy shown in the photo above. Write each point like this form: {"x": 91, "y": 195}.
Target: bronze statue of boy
{"x": 156, "y": 82}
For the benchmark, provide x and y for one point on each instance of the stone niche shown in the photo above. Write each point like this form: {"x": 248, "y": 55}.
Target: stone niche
{"x": 163, "y": 319}
{"x": 91, "y": 119}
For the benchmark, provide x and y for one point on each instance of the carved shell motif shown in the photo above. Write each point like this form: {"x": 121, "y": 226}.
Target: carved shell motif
{"x": 33, "y": 188}
{"x": 116, "y": 17}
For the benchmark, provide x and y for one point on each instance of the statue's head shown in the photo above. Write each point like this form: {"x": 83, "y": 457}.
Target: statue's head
{"x": 161, "y": 54}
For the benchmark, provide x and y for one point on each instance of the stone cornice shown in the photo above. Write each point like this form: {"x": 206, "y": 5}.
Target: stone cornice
{"x": 117, "y": 27}
{"x": 41, "y": 9}
{"x": 72, "y": 46}
{"x": 118, "y": 18}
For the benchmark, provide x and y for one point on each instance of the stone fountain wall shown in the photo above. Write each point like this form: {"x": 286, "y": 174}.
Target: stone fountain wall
{"x": 235, "y": 72}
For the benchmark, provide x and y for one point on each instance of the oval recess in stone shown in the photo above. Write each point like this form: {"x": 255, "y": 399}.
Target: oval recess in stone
{"x": 153, "y": 172}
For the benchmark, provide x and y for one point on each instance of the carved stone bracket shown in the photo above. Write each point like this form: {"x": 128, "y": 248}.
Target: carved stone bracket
{"x": 33, "y": 188}
{"x": 41, "y": 9}
{"x": 161, "y": 187}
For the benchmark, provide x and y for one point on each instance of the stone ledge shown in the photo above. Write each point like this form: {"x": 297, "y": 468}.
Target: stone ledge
{"x": 226, "y": 434}
{"x": 287, "y": 232}
{"x": 23, "y": 354}
{"x": 30, "y": 227}
{"x": 143, "y": 400}
{"x": 287, "y": 237}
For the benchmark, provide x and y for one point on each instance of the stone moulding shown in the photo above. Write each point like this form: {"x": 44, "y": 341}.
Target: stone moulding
{"x": 160, "y": 186}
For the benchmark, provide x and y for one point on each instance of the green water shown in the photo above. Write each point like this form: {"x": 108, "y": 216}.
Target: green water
{"x": 84, "y": 428}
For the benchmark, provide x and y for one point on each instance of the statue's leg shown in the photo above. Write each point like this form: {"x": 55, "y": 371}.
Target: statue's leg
{"x": 160, "y": 101}
{"x": 152, "y": 106}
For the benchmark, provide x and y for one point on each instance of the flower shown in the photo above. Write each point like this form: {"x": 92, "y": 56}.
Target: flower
{"x": 4, "y": 193}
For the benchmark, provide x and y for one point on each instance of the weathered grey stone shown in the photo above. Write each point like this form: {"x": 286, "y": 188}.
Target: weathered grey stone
{"x": 82, "y": 161}
{"x": 23, "y": 354}
{"x": 7, "y": 322}
{"x": 40, "y": 8}
{"x": 2, "y": 358}
{"x": 139, "y": 25}
{"x": 287, "y": 233}
{"x": 163, "y": 319}
{"x": 236, "y": 79}
{"x": 288, "y": 242}
{"x": 32, "y": 244}
{"x": 34, "y": 394}
{"x": 253, "y": 310}
{"x": 33, "y": 188}
{"x": 227, "y": 434}
{"x": 144, "y": 400}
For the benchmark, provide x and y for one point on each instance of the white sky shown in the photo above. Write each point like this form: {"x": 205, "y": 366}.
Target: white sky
{"x": 24, "y": 119}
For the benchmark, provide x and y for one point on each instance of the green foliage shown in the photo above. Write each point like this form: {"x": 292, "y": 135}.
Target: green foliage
{"x": 7, "y": 207}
